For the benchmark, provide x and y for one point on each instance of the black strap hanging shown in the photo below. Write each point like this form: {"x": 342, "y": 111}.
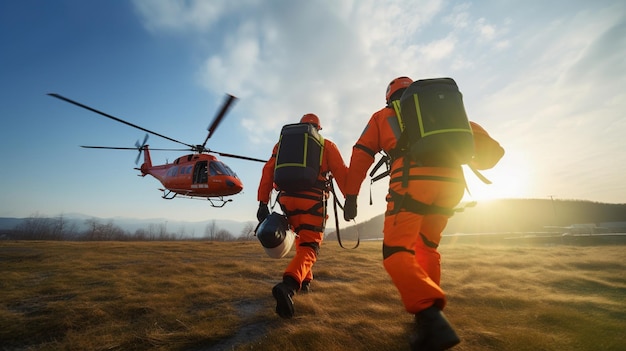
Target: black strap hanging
{"x": 335, "y": 204}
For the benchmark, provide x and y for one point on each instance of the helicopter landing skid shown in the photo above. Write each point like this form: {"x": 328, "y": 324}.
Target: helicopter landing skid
{"x": 215, "y": 201}
{"x": 218, "y": 201}
{"x": 168, "y": 194}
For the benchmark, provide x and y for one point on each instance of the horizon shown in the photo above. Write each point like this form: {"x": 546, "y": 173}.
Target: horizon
{"x": 330, "y": 222}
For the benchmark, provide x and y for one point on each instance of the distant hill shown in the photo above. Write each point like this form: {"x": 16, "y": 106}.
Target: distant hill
{"x": 510, "y": 215}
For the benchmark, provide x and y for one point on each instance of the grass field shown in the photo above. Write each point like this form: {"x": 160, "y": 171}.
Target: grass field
{"x": 200, "y": 296}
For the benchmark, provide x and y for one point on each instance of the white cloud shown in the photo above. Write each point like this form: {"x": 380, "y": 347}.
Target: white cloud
{"x": 459, "y": 17}
{"x": 487, "y": 31}
{"x": 185, "y": 16}
{"x": 539, "y": 84}
{"x": 438, "y": 49}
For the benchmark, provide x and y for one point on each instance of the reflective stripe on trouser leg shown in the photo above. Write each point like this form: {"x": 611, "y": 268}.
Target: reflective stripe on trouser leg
{"x": 417, "y": 290}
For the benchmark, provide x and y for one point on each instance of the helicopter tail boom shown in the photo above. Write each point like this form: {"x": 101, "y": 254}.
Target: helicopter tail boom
{"x": 147, "y": 161}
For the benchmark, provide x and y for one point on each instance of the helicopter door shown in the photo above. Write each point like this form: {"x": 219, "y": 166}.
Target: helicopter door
{"x": 200, "y": 175}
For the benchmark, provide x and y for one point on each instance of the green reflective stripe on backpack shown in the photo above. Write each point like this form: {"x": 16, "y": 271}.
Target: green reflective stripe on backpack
{"x": 321, "y": 153}
{"x": 396, "y": 107}
{"x": 304, "y": 153}
{"x": 420, "y": 120}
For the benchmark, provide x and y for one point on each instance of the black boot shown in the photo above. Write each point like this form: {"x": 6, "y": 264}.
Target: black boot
{"x": 283, "y": 292}
{"x": 433, "y": 332}
{"x": 306, "y": 287}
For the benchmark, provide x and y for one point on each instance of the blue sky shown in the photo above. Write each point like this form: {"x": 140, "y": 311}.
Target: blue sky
{"x": 547, "y": 79}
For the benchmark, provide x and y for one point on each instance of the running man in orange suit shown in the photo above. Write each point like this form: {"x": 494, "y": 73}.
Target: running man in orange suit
{"x": 414, "y": 221}
{"x": 306, "y": 213}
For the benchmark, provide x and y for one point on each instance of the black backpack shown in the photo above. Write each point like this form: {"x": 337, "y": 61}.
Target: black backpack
{"x": 435, "y": 128}
{"x": 299, "y": 157}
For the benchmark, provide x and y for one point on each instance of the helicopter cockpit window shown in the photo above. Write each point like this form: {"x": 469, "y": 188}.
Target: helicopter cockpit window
{"x": 218, "y": 168}
{"x": 230, "y": 171}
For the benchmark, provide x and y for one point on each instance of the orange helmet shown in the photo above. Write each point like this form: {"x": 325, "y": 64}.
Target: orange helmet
{"x": 397, "y": 84}
{"x": 313, "y": 119}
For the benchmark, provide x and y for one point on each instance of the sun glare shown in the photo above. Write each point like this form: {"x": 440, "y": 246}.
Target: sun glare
{"x": 509, "y": 179}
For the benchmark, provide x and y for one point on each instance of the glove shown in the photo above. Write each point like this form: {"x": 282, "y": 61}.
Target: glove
{"x": 262, "y": 212}
{"x": 349, "y": 208}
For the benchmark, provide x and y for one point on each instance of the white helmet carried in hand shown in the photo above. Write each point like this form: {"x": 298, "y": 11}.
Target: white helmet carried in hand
{"x": 275, "y": 235}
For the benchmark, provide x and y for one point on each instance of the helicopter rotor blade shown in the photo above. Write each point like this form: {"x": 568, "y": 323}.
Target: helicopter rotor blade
{"x": 228, "y": 102}
{"x": 129, "y": 148}
{"x": 218, "y": 118}
{"x": 116, "y": 119}
{"x": 239, "y": 156}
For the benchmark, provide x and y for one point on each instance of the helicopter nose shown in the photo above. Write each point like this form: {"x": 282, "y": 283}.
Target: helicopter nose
{"x": 235, "y": 185}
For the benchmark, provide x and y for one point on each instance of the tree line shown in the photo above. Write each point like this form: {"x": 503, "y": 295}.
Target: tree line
{"x": 58, "y": 228}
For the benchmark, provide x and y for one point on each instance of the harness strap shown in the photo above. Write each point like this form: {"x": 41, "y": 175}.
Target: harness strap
{"x": 318, "y": 210}
{"x": 385, "y": 160}
{"x": 426, "y": 177}
{"x": 407, "y": 203}
{"x": 366, "y": 149}
{"x": 390, "y": 250}
{"x": 314, "y": 246}
{"x": 317, "y": 197}
{"x": 428, "y": 243}
{"x": 310, "y": 227}
{"x": 313, "y": 210}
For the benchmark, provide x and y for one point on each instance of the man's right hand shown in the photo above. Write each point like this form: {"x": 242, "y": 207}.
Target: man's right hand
{"x": 349, "y": 208}
{"x": 262, "y": 212}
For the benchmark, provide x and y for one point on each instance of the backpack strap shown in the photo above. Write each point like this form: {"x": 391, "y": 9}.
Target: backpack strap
{"x": 479, "y": 175}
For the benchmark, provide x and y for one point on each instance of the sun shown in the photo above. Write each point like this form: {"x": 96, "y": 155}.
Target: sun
{"x": 509, "y": 179}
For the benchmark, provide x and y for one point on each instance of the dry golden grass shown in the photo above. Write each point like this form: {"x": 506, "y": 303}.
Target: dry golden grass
{"x": 217, "y": 296}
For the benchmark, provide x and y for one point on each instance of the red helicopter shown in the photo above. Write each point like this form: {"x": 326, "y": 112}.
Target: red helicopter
{"x": 196, "y": 175}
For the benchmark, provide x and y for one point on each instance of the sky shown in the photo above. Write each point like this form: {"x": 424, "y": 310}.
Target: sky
{"x": 547, "y": 79}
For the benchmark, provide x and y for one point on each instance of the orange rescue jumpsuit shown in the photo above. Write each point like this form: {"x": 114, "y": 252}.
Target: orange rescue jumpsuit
{"x": 306, "y": 210}
{"x": 416, "y": 214}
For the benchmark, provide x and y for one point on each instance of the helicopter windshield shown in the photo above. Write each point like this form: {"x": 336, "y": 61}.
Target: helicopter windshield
{"x": 230, "y": 171}
{"x": 219, "y": 168}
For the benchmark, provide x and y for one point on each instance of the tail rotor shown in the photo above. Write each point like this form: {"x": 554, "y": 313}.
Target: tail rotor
{"x": 140, "y": 148}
